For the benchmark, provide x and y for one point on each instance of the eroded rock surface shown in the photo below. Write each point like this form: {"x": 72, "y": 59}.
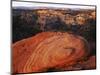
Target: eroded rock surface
{"x": 48, "y": 50}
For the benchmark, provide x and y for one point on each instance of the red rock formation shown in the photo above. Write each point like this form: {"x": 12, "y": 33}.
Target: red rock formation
{"x": 48, "y": 50}
{"x": 90, "y": 63}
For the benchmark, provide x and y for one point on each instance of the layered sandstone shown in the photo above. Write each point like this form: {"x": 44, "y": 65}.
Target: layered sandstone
{"x": 48, "y": 50}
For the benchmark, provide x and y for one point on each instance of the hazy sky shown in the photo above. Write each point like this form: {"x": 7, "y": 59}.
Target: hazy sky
{"x": 88, "y": 2}
{"x": 31, "y": 4}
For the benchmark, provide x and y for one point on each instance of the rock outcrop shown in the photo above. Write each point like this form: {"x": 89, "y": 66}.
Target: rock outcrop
{"x": 48, "y": 50}
{"x": 30, "y": 22}
{"x": 52, "y": 40}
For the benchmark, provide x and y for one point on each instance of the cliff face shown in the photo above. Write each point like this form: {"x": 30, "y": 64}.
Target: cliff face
{"x": 66, "y": 17}
{"x": 30, "y": 22}
{"x": 48, "y": 50}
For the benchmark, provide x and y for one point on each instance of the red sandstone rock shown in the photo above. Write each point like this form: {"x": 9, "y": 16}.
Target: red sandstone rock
{"x": 48, "y": 50}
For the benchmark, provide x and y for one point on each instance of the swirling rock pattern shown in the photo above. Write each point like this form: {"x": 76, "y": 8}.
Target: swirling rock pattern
{"x": 48, "y": 50}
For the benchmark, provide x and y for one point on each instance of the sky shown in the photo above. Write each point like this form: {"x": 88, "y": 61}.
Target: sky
{"x": 32, "y": 4}
{"x": 88, "y": 2}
